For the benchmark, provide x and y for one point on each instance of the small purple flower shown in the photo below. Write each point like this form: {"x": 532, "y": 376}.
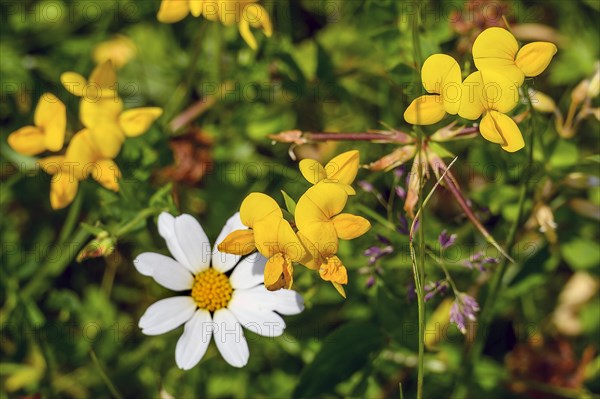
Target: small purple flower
{"x": 446, "y": 240}
{"x": 375, "y": 253}
{"x": 404, "y": 226}
{"x": 478, "y": 261}
{"x": 434, "y": 288}
{"x": 411, "y": 293}
{"x": 464, "y": 308}
{"x": 383, "y": 240}
{"x": 399, "y": 172}
{"x": 400, "y": 192}
{"x": 366, "y": 186}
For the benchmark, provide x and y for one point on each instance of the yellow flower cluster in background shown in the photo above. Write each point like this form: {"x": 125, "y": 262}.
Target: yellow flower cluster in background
{"x": 91, "y": 151}
{"x": 317, "y": 225}
{"x": 244, "y": 13}
{"x": 492, "y": 91}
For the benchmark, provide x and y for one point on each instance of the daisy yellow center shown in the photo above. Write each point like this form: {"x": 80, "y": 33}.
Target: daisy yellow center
{"x": 212, "y": 290}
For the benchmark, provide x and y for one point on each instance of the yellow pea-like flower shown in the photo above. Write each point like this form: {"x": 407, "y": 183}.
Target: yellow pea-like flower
{"x": 245, "y": 13}
{"x": 341, "y": 170}
{"x": 492, "y": 94}
{"x": 101, "y": 109}
{"x": 119, "y": 50}
{"x": 497, "y": 49}
{"x": 271, "y": 235}
{"x": 82, "y": 159}
{"x": 441, "y": 77}
{"x": 320, "y": 226}
{"x": 48, "y": 131}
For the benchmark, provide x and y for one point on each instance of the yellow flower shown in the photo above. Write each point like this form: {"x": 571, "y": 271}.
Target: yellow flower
{"x": 101, "y": 109}
{"x": 320, "y": 226}
{"x": 171, "y": 11}
{"x": 119, "y": 50}
{"x": 342, "y": 170}
{"x": 50, "y": 120}
{"x": 497, "y": 49}
{"x": 492, "y": 94}
{"x": 271, "y": 235}
{"x": 441, "y": 76}
{"x": 81, "y": 160}
{"x": 245, "y": 13}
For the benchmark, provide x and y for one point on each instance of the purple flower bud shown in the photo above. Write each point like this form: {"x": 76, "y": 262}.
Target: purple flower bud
{"x": 400, "y": 192}
{"x": 370, "y": 281}
{"x": 399, "y": 172}
{"x": 366, "y": 186}
{"x": 446, "y": 240}
{"x": 383, "y": 240}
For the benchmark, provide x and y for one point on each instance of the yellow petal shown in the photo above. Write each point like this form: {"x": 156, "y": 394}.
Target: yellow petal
{"x": 319, "y": 204}
{"x": 425, "y": 110}
{"x": 541, "y": 102}
{"x": 487, "y": 90}
{"x": 105, "y": 76}
{"x": 258, "y": 17}
{"x": 333, "y": 270}
{"x": 312, "y": 170}
{"x": 247, "y": 34}
{"x": 196, "y": 7}
{"x": 503, "y": 126}
{"x": 120, "y": 50}
{"x": 107, "y": 173}
{"x": 74, "y": 83}
{"x": 488, "y": 129}
{"x": 350, "y": 226}
{"x": 63, "y": 189}
{"x": 28, "y": 140}
{"x": 238, "y": 242}
{"x": 323, "y": 239}
{"x": 51, "y": 116}
{"x": 82, "y": 153}
{"x": 441, "y": 75}
{"x": 496, "y": 49}
{"x": 312, "y": 258}
{"x": 274, "y": 234}
{"x": 343, "y": 168}
{"x": 171, "y": 11}
{"x": 278, "y": 273}
{"x": 534, "y": 58}
{"x": 257, "y": 206}
{"x": 52, "y": 165}
{"x": 108, "y": 139}
{"x": 137, "y": 121}
{"x": 100, "y": 111}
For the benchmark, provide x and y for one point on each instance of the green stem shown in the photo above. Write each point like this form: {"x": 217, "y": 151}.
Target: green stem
{"x": 419, "y": 271}
{"x": 71, "y": 219}
{"x": 129, "y": 226}
{"x": 487, "y": 312}
{"x": 111, "y": 387}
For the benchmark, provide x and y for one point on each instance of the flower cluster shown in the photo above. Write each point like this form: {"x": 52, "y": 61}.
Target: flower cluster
{"x": 92, "y": 150}
{"x": 244, "y": 13}
{"x": 223, "y": 293}
{"x": 492, "y": 91}
{"x": 317, "y": 226}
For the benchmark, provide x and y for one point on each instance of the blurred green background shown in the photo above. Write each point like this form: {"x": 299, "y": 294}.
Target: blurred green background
{"x": 69, "y": 329}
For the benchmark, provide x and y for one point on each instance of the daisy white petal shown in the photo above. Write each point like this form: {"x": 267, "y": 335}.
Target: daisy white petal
{"x": 230, "y": 339}
{"x": 166, "y": 229}
{"x": 167, "y": 314}
{"x": 222, "y": 261}
{"x": 249, "y": 272}
{"x": 165, "y": 271}
{"x": 285, "y": 302}
{"x": 194, "y": 341}
{"x": 193, "y": 241}
{"x": 260, "y": 321}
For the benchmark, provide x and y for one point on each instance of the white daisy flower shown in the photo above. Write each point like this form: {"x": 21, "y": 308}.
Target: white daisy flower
{"x": 218, "y": 303}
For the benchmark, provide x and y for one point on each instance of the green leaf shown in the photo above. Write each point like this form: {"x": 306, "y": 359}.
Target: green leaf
{"x": 290, "y": 204}
{"x": 344, "y": 352}
{"x": 581, "y": 254}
